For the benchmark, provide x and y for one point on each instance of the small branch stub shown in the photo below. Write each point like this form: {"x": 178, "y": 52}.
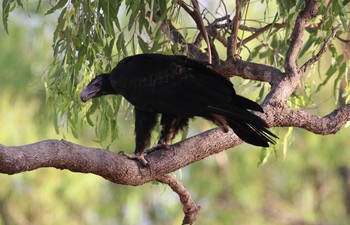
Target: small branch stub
{"x": 189, "y": 207}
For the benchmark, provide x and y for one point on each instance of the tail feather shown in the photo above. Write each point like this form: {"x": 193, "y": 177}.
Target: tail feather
{"x": 247, "y": 103}
{"x": 248, "y": 134}
{"x": 248, "y": 126}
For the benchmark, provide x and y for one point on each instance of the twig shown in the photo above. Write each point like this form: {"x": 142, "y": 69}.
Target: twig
{"x": 200, "y": 25}
{"x": 232, "y": 40}
{"x": 322, "y": 50}
{"x": 176, "y": 37}
{"x": 196, "y": 16}
{"x": 346, "y": 41}
{"x": 190, "y": 208}
{"x": 303, "y": 19}
{"x": 258, "y": 32}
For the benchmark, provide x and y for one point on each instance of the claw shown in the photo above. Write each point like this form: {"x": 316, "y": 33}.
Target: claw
{"x": 158, "y": 147}
{"x": 140, "y": 158}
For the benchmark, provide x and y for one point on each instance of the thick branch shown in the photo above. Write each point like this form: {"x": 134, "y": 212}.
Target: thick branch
{"x": 329, "y": 124}
{"x": 303, "y": 19}
{"x": 189, "y": 207}
{"x": 109, "y": 165}
{"x": 250, "y": 70}
{"x": 118, "y": 169}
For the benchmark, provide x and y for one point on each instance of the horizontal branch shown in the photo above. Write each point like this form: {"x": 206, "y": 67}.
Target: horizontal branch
{"x": 117, "y": 168}
{"x": 250, "y": 70}
{"x": 259, "y": 31}
{"x": 114, "y": 167}
{"x": 329, "y": 124}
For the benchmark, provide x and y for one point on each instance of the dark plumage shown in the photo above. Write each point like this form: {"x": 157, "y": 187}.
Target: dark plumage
{"x": 178, "y": 88}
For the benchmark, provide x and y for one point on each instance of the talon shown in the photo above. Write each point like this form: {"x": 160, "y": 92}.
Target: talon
{"x": 140, "y": 158}
{"x": 158, "y": 147}
{"x": 121, "y": 153}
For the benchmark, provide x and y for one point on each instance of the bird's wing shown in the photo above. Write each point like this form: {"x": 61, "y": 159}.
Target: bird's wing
{"x": 171, "y": 84}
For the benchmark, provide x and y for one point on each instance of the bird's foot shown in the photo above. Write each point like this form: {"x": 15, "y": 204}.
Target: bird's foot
{"x": 138, "y": 157}
{"x": 158, "y": 147}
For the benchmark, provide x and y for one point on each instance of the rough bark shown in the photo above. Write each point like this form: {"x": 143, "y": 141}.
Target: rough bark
{"x": 117, "y": 168}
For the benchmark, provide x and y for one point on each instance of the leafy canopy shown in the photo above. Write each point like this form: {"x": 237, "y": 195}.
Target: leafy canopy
{"x": 92, "y": 36}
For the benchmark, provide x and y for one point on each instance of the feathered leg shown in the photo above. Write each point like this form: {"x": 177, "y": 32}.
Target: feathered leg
{"x": 171, "y": 125}
{"x": 144, "y": 124}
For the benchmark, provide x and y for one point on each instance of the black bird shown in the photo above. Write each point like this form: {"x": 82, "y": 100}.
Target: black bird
{"x": 178, "y": 88}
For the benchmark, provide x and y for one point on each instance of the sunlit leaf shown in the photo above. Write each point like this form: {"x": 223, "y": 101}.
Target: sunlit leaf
{"x": 7, "y": 7}
{"x": 143, "y": 45}
{"x": 60, "y": 4}
{"x": 264, "y": 156}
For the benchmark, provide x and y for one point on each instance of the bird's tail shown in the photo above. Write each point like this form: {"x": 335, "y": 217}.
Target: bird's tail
{"x": 248, "y": 126}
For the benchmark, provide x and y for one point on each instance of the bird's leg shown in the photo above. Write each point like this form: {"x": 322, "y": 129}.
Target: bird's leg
{"x": 171, "y": 124}
{"x": 144, "y": 123}
{"x": 159, "y": 146}
{"x": 137, "y": 156}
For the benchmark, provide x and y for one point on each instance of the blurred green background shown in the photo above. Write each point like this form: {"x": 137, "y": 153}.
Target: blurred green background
{"x": 308, "y": 186}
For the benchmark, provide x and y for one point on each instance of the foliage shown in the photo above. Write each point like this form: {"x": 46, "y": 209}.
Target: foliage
{"x": 91, "y": 36}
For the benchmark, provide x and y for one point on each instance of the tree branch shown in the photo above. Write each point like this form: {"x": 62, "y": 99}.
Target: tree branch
{"x": 258, "y": 32}
{"x": 196, "y": 16}
{"x": 303, "y": 19}
{"x": 189, "y": 207}
{"x": 329, "y": 124}
{"x": 176, "y": 37}
{"x": 109, "y": 165}
{"x": 117, "y": 168}
{"x": 250, "y": 70}
{"x": 232, "y": 40}
{"x": 200, "y": 25}
{"x": 322, "y": 50}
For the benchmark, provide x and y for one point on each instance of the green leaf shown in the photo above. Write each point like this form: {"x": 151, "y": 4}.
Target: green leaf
{"x": 114, "y": 130}
{"x": 19, "y": 3}
{"x": 143, "y": 45}
{"x": 6, "y": 9}
{"x": 306, "y": 47}
{"x": 38, "y": 6}
{"x": 264, "y": 156}
{"x": 60, "y": 4}
{"x": 341, "y": 73}
{"x": 121, "y": 46}
{"x": 343, "y": 15}
{"x": 286, "y": 141}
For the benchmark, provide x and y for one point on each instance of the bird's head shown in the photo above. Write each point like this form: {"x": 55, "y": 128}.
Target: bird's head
{"x": 97, "y": 87}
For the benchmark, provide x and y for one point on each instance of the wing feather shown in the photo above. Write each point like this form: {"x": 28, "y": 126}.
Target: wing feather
{"x": 172, "y": 84}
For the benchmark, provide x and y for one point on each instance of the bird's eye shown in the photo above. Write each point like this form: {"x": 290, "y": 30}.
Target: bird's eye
{"x": 97, "y": 84}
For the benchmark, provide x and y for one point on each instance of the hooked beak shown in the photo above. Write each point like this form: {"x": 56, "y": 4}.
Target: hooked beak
{"x": 87, "y": 93}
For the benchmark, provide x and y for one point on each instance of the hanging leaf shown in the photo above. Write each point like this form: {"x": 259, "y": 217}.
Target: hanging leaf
{"x": 143, "y": 45}
{"x": 60, "y": 4}
{"x": 7, "y": 7}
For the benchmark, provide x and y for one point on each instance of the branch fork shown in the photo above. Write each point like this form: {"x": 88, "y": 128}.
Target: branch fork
{"x": 118, "y": 169}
